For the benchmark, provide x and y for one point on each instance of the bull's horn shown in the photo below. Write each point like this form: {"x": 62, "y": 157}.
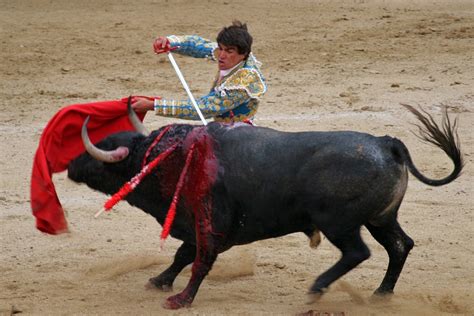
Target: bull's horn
{"x": 115, "y": 155}
{"x": 139, "y": 127}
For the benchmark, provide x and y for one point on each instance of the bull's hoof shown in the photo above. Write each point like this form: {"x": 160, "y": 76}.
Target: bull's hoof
{"x": 156, "y": 284}
{"x": 381, "y": 295}
{"x": 176, "y": 302}
{"x": 314, "y": 296}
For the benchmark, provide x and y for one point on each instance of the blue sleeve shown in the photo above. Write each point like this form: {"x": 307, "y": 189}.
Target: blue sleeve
{"x": 210, "y": 105}
{"x": 193, "y": 45}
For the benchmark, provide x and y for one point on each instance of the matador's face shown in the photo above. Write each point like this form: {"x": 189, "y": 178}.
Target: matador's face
{"x": 228, "y": 56}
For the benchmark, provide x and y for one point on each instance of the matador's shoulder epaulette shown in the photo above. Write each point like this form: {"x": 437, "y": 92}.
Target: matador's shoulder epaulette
{"x": 248, "y": 79}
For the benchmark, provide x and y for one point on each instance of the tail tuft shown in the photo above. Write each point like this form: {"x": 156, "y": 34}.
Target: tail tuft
{"x": 444, "y": 137}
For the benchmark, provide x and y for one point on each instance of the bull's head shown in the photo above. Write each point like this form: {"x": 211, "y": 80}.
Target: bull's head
{"x": 107, "y": 165}
{"x": 119, "y": 153}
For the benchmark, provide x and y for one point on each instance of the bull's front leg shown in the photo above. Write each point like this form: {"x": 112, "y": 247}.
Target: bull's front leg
{"x": 185, "y": 255}
{"x": 205, "y": 258}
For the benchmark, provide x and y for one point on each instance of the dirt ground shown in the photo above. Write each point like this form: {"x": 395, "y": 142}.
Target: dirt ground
{"x": 330, "y": 65}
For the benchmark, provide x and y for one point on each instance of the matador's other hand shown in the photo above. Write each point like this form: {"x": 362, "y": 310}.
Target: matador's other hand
{"x": 142, "y": 105}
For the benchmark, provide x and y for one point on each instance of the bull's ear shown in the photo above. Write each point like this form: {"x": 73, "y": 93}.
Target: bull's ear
{"x": 115, "y": 155}
{"x": 139, "y": 127}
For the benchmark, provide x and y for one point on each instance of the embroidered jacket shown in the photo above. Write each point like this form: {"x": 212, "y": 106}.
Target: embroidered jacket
{"x": 233, "y": 98}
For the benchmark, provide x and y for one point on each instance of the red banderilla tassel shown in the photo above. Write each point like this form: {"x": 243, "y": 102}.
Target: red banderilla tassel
{"x": 153, "y": 144}
{"x": 172, "y": 210}
{"x": 131, "y": 185}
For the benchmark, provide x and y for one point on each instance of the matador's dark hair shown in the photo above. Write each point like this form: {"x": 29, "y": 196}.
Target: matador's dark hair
{"x": 236, "y": 35}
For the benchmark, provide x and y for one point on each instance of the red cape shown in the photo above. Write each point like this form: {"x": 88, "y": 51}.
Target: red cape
{"x": 59, "y": 144}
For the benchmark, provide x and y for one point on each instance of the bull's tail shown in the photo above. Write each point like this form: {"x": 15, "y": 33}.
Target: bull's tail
{"x": 444, "y": 137}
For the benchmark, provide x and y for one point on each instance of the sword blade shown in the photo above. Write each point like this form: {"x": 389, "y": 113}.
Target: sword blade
{"x": 186, "y": 87}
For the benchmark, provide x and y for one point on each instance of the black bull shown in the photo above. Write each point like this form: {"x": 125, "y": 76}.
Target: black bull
{"x": 251, "y": 183}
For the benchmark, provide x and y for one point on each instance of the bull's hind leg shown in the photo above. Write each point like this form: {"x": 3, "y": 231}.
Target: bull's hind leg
{"x": 354, "y": 251}
{"x": 184, "y": 256}
{"x": 398, "y": 245}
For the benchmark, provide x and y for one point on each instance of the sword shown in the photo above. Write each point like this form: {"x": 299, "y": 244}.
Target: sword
{"x": 183, "y": 82}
